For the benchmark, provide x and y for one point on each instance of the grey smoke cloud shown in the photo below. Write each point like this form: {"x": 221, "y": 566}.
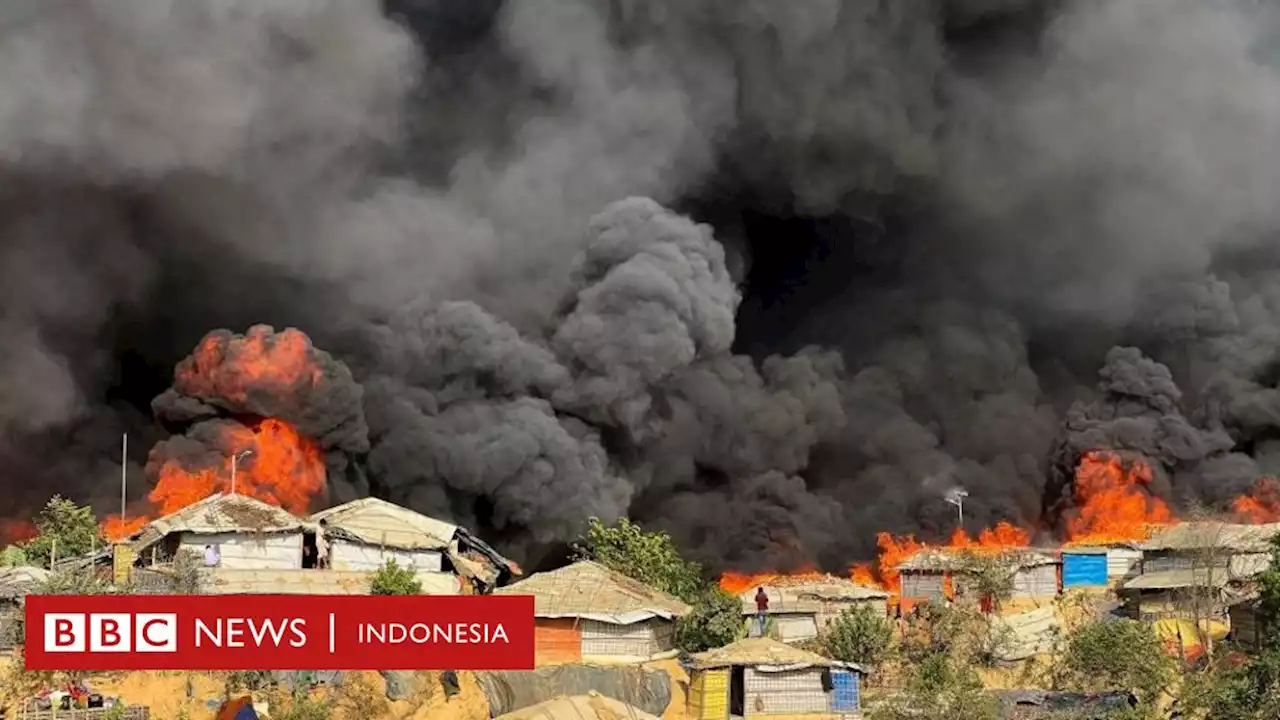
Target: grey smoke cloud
{"x": 487, "y": 217}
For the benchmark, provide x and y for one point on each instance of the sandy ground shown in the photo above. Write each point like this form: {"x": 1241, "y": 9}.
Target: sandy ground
{"x": 174, "y": 695}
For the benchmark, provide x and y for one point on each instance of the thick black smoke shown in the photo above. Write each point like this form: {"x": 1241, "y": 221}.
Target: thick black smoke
{"x": 773, "y": 276}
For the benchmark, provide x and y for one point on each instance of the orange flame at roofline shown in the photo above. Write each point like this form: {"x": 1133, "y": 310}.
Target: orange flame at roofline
{"x": 1113, "y": 504}
{"x": 247, "y": 374}
{"x": 1260, "y": 506}
{"x": 281, "y": 468}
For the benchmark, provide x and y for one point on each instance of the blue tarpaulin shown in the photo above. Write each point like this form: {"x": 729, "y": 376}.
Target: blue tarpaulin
{"x": 844, "y": 690}
{"x": 1084, "y": 569}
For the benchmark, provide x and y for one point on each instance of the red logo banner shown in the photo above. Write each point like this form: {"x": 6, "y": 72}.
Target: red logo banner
{"x": 279, "y": 632}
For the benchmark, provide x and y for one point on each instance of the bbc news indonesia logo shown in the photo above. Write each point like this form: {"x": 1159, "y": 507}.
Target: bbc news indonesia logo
{"x": 270, "y": 632}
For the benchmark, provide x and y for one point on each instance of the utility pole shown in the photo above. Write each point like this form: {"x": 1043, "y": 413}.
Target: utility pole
{"x": 956, "y": 497}
{"x": 124, "y": 474}
{"x": 234, "y": 460}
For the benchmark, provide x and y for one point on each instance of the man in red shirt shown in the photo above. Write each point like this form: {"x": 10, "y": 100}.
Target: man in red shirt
{"x": 762, "y": 607}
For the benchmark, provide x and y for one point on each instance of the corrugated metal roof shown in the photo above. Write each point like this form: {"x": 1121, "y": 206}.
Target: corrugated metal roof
{"x": 1171, "y": 579}
{"x": 588, "y": 588}
{"x": 221, "y": 513}
{"x": 16, "y": 582}
{"x": 378, "y": 522}
{"x": 1214, "y": 534}
{"x": 227, "y": 581}
{"x": 947, "y": 559}
{"x": 763, "y": 651}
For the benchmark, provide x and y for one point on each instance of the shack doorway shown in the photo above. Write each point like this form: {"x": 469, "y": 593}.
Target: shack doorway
{"x": 737, "y": 691}
{"x": 310, "y": 551}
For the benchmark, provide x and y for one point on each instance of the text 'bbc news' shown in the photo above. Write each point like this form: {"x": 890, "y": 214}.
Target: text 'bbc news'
{"x": 317, "y": 632}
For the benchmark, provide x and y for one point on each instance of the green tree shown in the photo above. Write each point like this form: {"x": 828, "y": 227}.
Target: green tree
{"x": 72, "y": 528}
{"x": 652, "y": 558}
{"x": 1111, "y": 654}
{"x": 1250, "y": 691}
{"x": 391, "y": 579}
{"x": 858, "y": 635}
{"x": 939, "y": 687}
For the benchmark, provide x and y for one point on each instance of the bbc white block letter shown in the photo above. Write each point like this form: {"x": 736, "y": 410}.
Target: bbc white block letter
{"x": 109, "y": 632}
{"x": 156, "y": 632}
{"x": 64, "y": 632}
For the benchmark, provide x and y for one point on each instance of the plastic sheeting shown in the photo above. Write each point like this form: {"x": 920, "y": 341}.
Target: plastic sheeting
{"x": 1181, "y": 637}
{"x": 507, "y": 692}
{"x": 581, "y": 707}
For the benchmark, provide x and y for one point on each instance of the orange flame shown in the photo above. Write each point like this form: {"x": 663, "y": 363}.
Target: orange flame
{"x": 738, "y": 583}
{"x": 16, "y": 531}
{"x": 1112, "y": 502}
{"x": 231, "y": 367}
{"x": 282, "y": 468}
{"x": 893, "y": 550}
{"x": 1260, "y": 506}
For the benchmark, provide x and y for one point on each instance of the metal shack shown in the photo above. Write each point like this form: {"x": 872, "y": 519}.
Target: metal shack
{"x": 760, "y": 677}
{"x": 937, "y": 574}
{"x": 801, "y": 607}
{"x": 1197, "y": 569}
{"x": 585, "y": 612}
{"x": 364, "y": 534}
{"x": 1098, "y": 566}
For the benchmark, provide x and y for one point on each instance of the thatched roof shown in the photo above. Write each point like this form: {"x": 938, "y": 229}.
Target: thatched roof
{"x": 1208, "y": 535}
{"x": 807, "y": 594}
{"x": 950, "y": 560}
{"x": 221, "y": 513}
{"x": 763, "y": 651}
{"x": 17, "y": 582}
{"x": 589, "y": 590}
{"x": 377, "y": 522}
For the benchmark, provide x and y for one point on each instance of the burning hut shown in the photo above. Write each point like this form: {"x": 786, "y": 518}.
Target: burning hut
{"x": 585, "y": 612}
{"x": 364, "y": 534}
{"x": 801, "y": 607}
{"x": 762, "y": 677}
{"x": 939, "y": 575}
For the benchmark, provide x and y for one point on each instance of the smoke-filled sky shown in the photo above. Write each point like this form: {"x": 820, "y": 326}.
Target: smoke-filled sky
{"x": 772, "y": 275}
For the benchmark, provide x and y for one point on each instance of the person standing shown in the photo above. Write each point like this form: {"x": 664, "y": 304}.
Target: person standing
{"x": 211, "y": 556}
{"x": 762, "y": 608}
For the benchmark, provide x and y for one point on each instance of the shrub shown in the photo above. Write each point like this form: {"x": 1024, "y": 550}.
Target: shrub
{"x": 859, "y": 635}
{"x": 652, "y": 558}
{"x": 716, "y": 621}
{"x": 1109, "y": 654}
{"x": 63, "y": 527}
{"x": 391, "y": 579}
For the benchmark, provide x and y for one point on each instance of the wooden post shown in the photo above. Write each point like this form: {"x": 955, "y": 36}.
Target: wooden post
{"x": 53, "y": 553}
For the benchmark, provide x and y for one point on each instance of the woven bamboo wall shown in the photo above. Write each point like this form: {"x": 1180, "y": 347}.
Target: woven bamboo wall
{"x": 796, "y": 692}
{"x": 642, "y": 639}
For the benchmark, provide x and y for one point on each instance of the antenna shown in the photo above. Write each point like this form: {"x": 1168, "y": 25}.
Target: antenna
{"x": 956, "y": 497}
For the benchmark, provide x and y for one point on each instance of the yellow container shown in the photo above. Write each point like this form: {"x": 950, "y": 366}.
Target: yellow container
{"x": 122, "y": 559}
{"x": 709, "y": 694}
